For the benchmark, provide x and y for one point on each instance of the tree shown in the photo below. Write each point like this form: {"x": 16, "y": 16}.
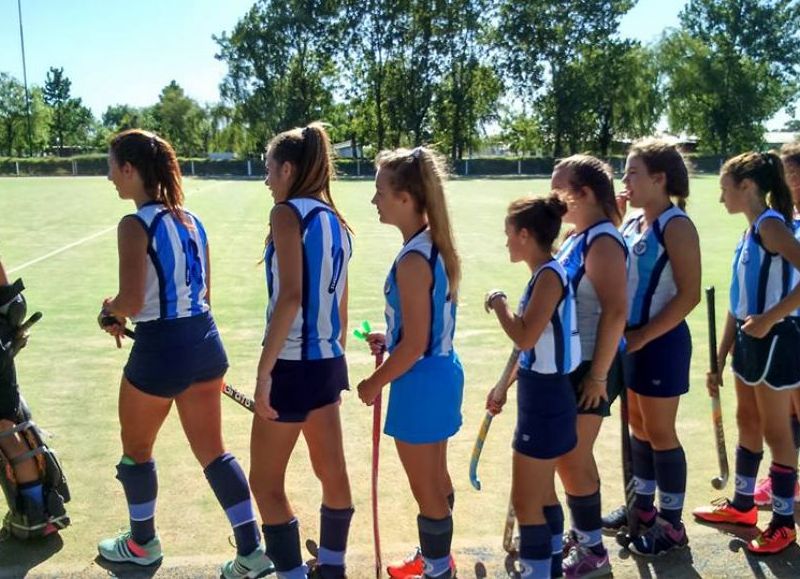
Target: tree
{"x": 71, "y": 122}
{"x": 281, "y": 69}
{"x": 792, "y": 126}
{"x": 539, "y": 43}
{"x": 731, "y": 66}
{"x": 12, "y": 115}
{"x": 121, "y": 117}
{"x": 181, "y": 121}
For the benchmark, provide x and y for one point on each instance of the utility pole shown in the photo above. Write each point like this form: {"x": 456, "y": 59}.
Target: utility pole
{"x": 25, "y": 81}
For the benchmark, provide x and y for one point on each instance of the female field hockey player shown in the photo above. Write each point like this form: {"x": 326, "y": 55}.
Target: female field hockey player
{"x": 594, "y": 256}
{"x": 544, "y": 328}
{"x": 165, "y": 288}
{"x": 790, "y": 155}
{"x": 302, "y": 369}
{"x": 663, "y": 288}
{"x": 764, "y": 336}
{"x": 427, "y": 380}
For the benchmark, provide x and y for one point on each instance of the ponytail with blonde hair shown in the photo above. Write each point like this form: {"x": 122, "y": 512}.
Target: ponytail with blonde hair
{"x": 421, "y": 173}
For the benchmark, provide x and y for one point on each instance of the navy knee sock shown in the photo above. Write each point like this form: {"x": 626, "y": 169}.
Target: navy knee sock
{"x": 644, "y": 474}
{"x": 747, "y": 463}
{"x": 283, "y": 548}
{"x": 587, "y": 521}
{"x": 229, "y": 484}
{"x": 671, "y": 476}
{"x": 784, "y": 480}
{"x": 334, "y": 528}
{"x": 140, "y": 483}
{"x": 535, "y": 547}
{"x": 554, "y": 515}
{"x": 435, "y": 537}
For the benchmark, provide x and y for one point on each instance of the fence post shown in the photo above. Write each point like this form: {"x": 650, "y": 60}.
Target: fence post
{"x": 192, "y": 162}
{"x": 519, "y": 166}
{"x": 16, "y": 163}
{"x": 358, "y": 166}
{"x": 466, "y": 167}
{"x": 249, "y": 168}
{"x": 74, "y": 168}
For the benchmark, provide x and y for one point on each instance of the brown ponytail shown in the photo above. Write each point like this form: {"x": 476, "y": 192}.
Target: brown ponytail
{"x": 766, "y": 171}
{"x": 540, "y": 216}
{"x": 155, "y": 160}
{"x": 421, "y": 172}
{"x": 309, "y": 150}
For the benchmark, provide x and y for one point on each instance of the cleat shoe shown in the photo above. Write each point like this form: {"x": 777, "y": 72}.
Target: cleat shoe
{"x": 617, "y": 520}
{"x": 251, "y": 566}
{"x": 123, "y": 549}
{"x": 568, "y": 541}
{"x": 772, "y": 540}
{"x": 659, "y": 539}
{"x": 763, "y": 493}
{"x": 583, "y": 563}
{"x": 414, "y": 566}
{"x": 722, "y": 511}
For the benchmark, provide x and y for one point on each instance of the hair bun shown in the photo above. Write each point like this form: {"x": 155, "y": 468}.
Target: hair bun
{"x": 556, "y": 205}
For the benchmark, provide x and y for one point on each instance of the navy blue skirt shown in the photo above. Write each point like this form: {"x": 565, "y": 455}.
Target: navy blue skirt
{"x": 168, "y": 356}
{"x": 547, "y": 415}
{"x": 661, "y": 368}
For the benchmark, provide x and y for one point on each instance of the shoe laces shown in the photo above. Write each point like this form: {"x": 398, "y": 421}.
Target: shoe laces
{"x": 413, "y": 557}
{"x": 720, "y": 502}
{"x": 774, "y": 529}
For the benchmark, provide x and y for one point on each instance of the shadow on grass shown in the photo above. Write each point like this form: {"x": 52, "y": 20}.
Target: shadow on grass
{"x": 676, "y": 564}
{"x": 128, "y": 570}
{"x": 17, "y": 557}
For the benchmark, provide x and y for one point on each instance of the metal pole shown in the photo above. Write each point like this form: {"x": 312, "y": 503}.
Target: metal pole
{"x": 25, "y": 81}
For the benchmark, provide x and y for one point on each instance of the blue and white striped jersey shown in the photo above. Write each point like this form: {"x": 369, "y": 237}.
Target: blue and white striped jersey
{"x": 316, "y": 330}
{"x": 760, "y": 279}
{"x": 558, "y": 350}
{"x": 175, "y": 283}
{"x": 651, "y": 284}
{"x": 443, "y": 307}
{"x": 572, "y": 256}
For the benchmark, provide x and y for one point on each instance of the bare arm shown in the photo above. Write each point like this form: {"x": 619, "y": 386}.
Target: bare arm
{"x": 288, "y": 251}
{"x": 132, "y": 249}
{"x": 683, "y": 248}
{"x": 343, "y": 314}
{"x": 208, "y": 274}
{"x": 3, "y": 277}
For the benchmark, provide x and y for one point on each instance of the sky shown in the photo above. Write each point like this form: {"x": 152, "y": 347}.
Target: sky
{"x": 126, "y": 52}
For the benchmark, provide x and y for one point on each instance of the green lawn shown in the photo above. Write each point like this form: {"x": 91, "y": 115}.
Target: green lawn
{"x": 70, "y": 371}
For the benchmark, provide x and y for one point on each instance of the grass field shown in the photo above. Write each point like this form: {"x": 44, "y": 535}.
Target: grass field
{"x": 70, "y": 371}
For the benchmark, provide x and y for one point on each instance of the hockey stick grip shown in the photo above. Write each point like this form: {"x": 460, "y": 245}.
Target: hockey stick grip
{"x": 718, "y": 482}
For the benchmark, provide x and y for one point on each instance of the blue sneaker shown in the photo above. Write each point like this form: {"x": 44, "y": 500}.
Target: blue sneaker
{"x": 661, "y": 538}
{"x": 123, "y": 549}
{"x": 251, "y": 566}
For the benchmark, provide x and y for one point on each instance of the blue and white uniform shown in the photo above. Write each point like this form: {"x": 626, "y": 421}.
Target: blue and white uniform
{"x": 546, "y": 405}
{"x": 760, "y": 280}
{"x": 661, "y": 368}
{"x": 311, "y": 369}
{"x": 425, "y": 402}
{"x": 572, "y": 256}
{"x": 177, "y": 342}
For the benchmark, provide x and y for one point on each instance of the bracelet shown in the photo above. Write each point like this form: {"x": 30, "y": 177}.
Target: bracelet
{"x": 487, "y": 304}
{"x": 600, "y": 380}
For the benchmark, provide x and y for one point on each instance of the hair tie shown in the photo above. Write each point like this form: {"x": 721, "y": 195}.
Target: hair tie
{"x": 416, "y": 152}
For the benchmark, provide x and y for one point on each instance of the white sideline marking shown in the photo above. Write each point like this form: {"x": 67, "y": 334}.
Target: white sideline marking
{"x": 60, "y": 250}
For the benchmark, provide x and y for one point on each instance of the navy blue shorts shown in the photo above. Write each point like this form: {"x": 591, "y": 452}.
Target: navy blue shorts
{"x": 613, "y": 386}
{"x": 546, "y": 415}
{"x": 773, "y": 359}
{"x": 168, "y": 356}
{"x": 425, "y": 402}
{"x": 300, "y": 386}
{"x": 661, "y": 368}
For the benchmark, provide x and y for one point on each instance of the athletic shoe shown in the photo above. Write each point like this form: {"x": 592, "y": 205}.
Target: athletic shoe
{"x": 772, "y": 540}
{"x": 414, "y": 566}
{"x": 722, "y": 511}
{"x": 251, "y": 566}
{"x": 617, "y": 520}
{"x": 583, "y": 563}
{"x": 661, "y": 538}
{"x": 123, "y": 549}
{"x": 763, "y": 493}
{"x": 568, "y": 541}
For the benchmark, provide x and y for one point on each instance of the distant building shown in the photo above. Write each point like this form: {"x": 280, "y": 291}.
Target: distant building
{"x": 344, "y": 150}
{"x": 775, "y": 139}
{"x": 221, "y": 156}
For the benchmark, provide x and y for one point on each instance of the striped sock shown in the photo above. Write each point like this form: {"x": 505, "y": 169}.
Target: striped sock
{"x": 784, "y": 479}
{"x": 140, "y": 483}
{"x": 535, "y": 546}
{"x": 644, "y": 474}
{"x": 229, "y": 484}
{"x": 671, "y": 476}
{"x": 554, "y": 515}
{"x": 747, "y": 463}
{"x": 334, "y": 527}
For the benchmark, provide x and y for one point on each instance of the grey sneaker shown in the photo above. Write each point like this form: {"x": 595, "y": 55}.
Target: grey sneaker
{"x": 251, "y": 566}
{"x": 123, "y": 549}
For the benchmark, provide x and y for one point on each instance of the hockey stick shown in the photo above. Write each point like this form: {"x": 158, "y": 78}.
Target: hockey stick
{"x": 508, "y": 531}
{"x": 505, "y": 378}
{"x": 20, "y": 338}
{"x": 231, "y": 392}
{"x": 718, "y": 482}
